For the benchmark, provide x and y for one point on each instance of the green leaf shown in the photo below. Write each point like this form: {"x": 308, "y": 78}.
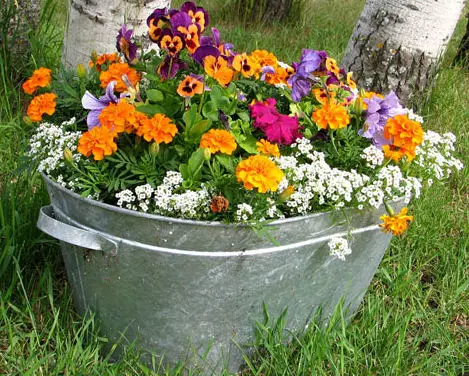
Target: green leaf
{"x": 226, "y": 161}
{"x": 155, "y": 95}
{"x": 244, "y": 116}
{"x": 151, "y": 109}
{"x": 210, "y": 111}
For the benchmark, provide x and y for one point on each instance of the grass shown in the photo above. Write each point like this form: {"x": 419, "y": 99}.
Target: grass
{"x": 414, "y": 319}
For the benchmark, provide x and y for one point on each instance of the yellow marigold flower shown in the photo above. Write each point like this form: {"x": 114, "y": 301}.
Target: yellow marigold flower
{"x": 404, "y": 133}
{"x": 159, "y": 128}
{"x": 332, "y": 116}
{"x": 40, "y": 78}
{"x": 396, "y": 224}
{"x": 259, "y": 172}
{"x": 246, "y": 65}
{"x": 190, "y": 86}
{"x": 265, "y": 58}
{"x": 98, "y": 141}
{"x": 40, "y": 105}
{"x": 119, "y": 117}
{"x": 393, "y": 153}
{"x": 218, "y": 69}
{"x": 218, "y": 140}
{"x": 115, "y": 73}
{"x": 265, "y": 147}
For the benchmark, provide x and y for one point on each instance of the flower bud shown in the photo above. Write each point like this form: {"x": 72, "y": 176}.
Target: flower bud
{"x": 27, "y": 120}
{"x": 68, "y": 156}
{"x": 94, "y": 56}
{"x": 287, "y": 192}
{"x": 207, "y": 154}
{"x": 81, "y": 71}
{"x": 154, "y": 148}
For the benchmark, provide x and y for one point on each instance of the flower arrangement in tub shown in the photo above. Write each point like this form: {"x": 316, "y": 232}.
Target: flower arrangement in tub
{"x": 201, "y": 131}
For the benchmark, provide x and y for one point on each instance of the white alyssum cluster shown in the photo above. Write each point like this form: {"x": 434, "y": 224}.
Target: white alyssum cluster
{"x": 164, "y": 200}
{"x": 66, "y": 184}
{"x": 435, "y": 154}
{"x": 244, "y": 212}
{"x": 373, "y": 156}
{"x": 317, "y": 183}
{"x": 144, "y": 193}
{"x": 126, "y": 199}
{"x": 48, "y": 143}
{"x": 413, "y": 116}
{"x": 188, "y": 204}
{"x": 390, "y": 184}
{"x": 339, "y": 248}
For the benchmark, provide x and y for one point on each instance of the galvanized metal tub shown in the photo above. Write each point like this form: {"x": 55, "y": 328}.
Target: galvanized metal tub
{"x": 178, "y": 286}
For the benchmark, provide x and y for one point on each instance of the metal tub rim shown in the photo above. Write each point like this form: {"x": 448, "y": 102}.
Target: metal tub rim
{"x": 176, "y": 220}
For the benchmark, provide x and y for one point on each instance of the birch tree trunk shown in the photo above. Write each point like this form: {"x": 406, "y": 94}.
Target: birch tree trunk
{"x": 94, "y": 24}
{"x": 397, "y": 44}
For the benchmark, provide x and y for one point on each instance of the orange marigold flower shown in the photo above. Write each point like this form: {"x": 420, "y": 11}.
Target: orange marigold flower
{"x": 103, "y": 59}
{"x": 190, "y": 86}
{"x": 159, "y": 128}
{"x": 332, "y": 116}
{"x": 40, "y": 105}
{"x": 265, "y": 147}
{"x": 218, "y": 140}
{"x": 259, "y": 172}
{"x": 246, "y": 65}
{"x": 115, "y": 73}
{"x": 40, "y": 78}
{"x": 218, "y": 69}
{"x": 404, "y": 133}
{"x": 396, "y": 224}
{"x": 119, "y": 117}
{"x": 98, "y": 141}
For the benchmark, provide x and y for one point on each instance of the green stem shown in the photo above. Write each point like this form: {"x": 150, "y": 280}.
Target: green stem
{"x": 333, "y": 141}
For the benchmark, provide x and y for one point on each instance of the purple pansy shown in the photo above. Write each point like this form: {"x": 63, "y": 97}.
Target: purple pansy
{"x": 125, "y": 45}
{"x": 377, "y": 114}
{"x": 302, "y": 80}
{"x": 90, "y": 102}
{"x": 198, "y": 14}
{"x": 174, "y": 62}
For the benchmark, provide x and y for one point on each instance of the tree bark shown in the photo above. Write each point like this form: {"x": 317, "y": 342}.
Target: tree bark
{"x": 397, "y": 44}
{"x": 94, "y": 24}
{"x": 276, "y": 10}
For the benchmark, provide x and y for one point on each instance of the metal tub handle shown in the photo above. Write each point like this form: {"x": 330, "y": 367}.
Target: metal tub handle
{"x": 73, "y": 235}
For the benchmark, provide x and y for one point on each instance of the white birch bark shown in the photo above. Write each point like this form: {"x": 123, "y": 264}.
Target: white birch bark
{"x": 94, "y": 25}
{"x": 397, "y": 44}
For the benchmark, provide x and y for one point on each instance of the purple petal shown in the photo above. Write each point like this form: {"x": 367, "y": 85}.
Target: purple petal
{"x": 187, "y": 6}
{"x": 92, "y": 119}
{"x": 203, "y": 51}
{"x": 90, "y": 102}
{"x": 216, "y": 36}
{"x": 109, "y": 96}
{"x": 180, "y": 19}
